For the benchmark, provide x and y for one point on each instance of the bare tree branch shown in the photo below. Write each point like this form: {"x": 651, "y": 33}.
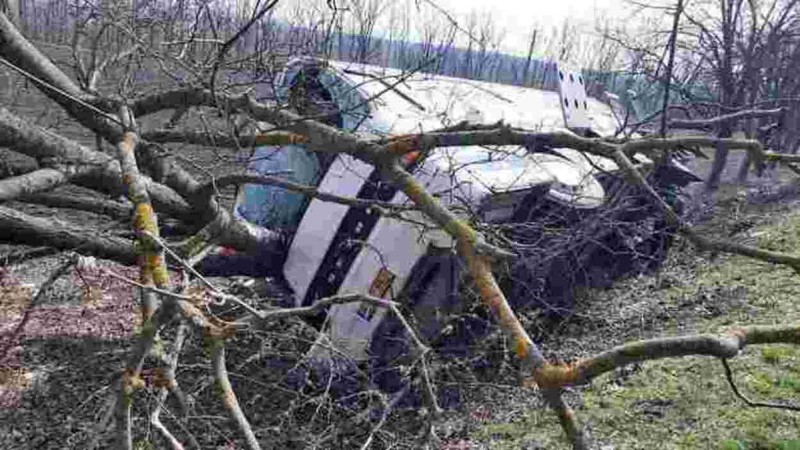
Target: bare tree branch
{"x": 727, "y": 346}
{"x": 109, "y": 208}
{"x": 76, "y": 163}
{"x": 40, "y": 294}
{"x": 54, "y": 149}
{"x": 30, "y": 183}
{"x": 152, "y": 265}
{"x": 479, "y": 266}
{"x": 16, "y": 49}
{"x": 226, "y": 394}
{"x": 727, "y": 118}
{"x": 670, "y": 64}
{"x": 22, "y": 228}
{"x": 311, "y": 191}
{"x": 217, "y": 139}
{"x": 224, "y": 228}
{"x": 168, "y": 384}
{"x": 747, "y": 401}
{"x": 230, "y": 42}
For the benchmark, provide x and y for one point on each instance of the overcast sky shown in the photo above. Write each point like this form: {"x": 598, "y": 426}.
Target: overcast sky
{"x": 515, "y": 19}
{"x": 525, "y": 13}
{"x": 518, "y": 17}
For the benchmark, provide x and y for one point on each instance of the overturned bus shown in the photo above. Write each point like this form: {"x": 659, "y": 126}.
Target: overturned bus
{"x": 556, "y": 199}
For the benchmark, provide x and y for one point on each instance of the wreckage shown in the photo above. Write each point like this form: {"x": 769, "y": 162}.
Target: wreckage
{"x": 336, "y": 249}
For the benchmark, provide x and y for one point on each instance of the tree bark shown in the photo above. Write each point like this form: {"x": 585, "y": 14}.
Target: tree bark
{"x": 112, "y": 209}
{"x": 59, "y": 87}
{"x": 30, "y": 183}
{"x": 22, "y": 228}
{"x": 76, "y": 163}
{"x": 720, "y": 159}
{"x": 11, "y": 9}
{"x": 729, "y": 13}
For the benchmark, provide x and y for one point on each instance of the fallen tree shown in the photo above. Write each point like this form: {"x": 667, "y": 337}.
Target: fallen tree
{"x": 145, "y": 170}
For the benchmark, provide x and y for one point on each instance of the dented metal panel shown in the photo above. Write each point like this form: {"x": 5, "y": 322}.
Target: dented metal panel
{"x": 320, "y": 223}
{"x": 338, "y": 250}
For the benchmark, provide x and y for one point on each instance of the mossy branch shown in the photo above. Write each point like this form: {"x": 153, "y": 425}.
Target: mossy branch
{"x": 726, "y": 346}
{"x": 492, "y": 296}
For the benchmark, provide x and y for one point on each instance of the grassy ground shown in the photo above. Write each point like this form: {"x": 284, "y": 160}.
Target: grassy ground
{"x": 680, "y": 403}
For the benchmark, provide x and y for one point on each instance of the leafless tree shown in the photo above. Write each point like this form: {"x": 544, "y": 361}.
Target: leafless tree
{"x": 11, "y": 9}
{"x": 721, "y": 44}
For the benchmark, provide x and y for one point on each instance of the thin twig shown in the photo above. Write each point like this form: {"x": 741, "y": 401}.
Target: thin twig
{"x": 670, "y": 62}
{"x": 228, "y": 397}
{"x": 310, "y": 191}
{"x": 323, "y": 303}
{"x": 153, "y": 289}
{"x": 729, "y": 376}
{"x": 45, "y": 287}
{"x": 384, "y": 415}
{"x": 429, "y": 391}
{"x": 215, "y": 292}
{"x": 169, "y": 378}
{"x": 36, "y": 79}
{"x": 229, "y": 43}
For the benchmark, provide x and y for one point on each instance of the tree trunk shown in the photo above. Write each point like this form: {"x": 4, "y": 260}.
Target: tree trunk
{"x": 11, "y": 10}
{"x": 21, "y": 228}
{"x": 720, "y": 158}
{"x": 744, "y": 167}
{"x": 727, "y": 88}
{"x": 528, "y": 59}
